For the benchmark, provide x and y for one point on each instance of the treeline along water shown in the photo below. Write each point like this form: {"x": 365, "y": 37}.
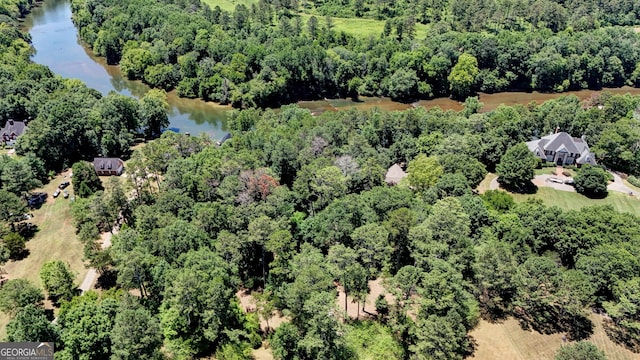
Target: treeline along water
{"x": 55, "y": 39}
{"x": 57, "y": 45}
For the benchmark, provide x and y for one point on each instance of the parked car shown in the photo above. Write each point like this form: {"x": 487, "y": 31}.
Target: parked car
{"x": 35, "y": 200}
{"x": 555, "y": 180}
{"x": 65, "y": 193}
{"x": 56, "y": 193}
{"x": 569, "y": 181}
{"x": 63, "y": 185}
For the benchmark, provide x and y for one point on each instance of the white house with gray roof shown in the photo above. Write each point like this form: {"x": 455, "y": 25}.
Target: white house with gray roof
{"x": 562, "y": 149}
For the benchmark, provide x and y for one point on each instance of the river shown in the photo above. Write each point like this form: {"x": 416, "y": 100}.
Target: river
{"x": 58, "y": 46}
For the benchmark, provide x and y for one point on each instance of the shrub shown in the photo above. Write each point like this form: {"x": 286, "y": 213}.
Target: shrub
{"x": 592, "y": 181}
{"x": 634, "y": 181}
{"x": 566, "y": 173}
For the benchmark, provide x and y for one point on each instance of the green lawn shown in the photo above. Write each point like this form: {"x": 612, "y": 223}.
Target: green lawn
{"x": 570, "y": 200}
{"x": 359, "y": 27}
{"x": 229, "y": 5}
{"x": 354, "y": 26}
{"x": 55, "y": 240}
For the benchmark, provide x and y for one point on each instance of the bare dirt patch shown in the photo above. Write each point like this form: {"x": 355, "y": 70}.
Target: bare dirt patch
{"x": 248, "y": 305}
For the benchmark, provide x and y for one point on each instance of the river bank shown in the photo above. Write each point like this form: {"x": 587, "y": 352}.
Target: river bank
{"x": 57, "y": 44}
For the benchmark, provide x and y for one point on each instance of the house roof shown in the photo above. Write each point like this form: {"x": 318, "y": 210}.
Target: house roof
{"x": 562, "y": 142}
{"x": 107, "y": 164}
{"x": 395, "y": 174}
{"x": 13, "y": 127}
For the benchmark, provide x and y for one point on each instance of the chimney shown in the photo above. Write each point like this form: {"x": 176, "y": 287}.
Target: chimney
{"x": 10, "y": 121}
{"x": 557, "y": 129}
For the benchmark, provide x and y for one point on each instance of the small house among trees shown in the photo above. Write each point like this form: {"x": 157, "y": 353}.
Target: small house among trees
{"x": 562, "y": 149}
{"x": 11, "y": 131}
{"x": 108, "y": 166}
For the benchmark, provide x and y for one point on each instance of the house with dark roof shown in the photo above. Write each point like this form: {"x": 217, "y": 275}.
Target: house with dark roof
{"x": 108, "y": 166}
{"x": 562, "y": 149}
{"x": 11, "y": 131}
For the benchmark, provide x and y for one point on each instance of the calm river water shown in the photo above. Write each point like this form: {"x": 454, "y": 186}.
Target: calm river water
{"x": 57, "y": 45}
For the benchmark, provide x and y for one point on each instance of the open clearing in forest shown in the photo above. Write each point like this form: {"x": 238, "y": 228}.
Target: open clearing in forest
{"x": 571, "y": 200}
{"x": 55, "y": 240}
{"x": 229, "y": 5}
{"x": 362, "y": 28}
{"x": 357, "y": 27}
{"x": 507, "y": 340}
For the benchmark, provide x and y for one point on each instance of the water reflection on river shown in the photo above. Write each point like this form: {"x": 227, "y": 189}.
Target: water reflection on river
{"x": 55, "y": 39}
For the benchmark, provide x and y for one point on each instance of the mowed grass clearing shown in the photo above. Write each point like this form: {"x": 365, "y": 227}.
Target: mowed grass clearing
{"x": 507, "y": 340}
{"x": 358, "y": 27}
{"x": 229, "y": 5}
{"x": 570, "y": 200}
{"x": 55, "y": 240}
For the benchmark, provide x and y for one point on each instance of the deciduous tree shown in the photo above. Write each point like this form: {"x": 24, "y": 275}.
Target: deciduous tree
{"x": 515, "y": 169}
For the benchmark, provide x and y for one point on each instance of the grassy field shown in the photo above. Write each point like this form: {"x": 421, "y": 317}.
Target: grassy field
{"x": 570, "y": 200}
{"x": 507, "y": 340}
{"x": 364, "y": 28}
{"x": 229, "y": 5}
{"x": 634, "y": 188}
{"x": 55, "y": 240}
{"x": 354, "y": 26}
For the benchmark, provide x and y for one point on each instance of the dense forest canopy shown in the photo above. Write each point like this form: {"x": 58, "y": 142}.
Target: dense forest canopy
{"x": 268, "y": 54}
{"x": 293, "y": 204}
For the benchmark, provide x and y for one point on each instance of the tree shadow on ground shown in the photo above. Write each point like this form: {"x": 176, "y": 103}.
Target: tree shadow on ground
{"x": 529, "y": 189}
{"x": 577, "y": 327}
{"x": 622, "y": 336}
{"x": 107, "y": 280}
{"x": 21, "y": 255}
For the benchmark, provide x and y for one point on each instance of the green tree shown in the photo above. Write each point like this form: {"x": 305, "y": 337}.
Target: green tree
{"x": 199, "y": 306}
{"x": 10, "y": 206}
{"x": 550, "y": 299}
{"x": 343, "y": 263}
{"x": 494, "y": 268}
{"x": 58, "y": 280}
{"x": 30, "y": 324}
{"x": 136, "y": 333}
{"x": 516, "y": 166}
{"x": 371, "y": 242}
{"x": 14, "y": 244}
{"x": 592, "y": 181}
{"x": 624, "y": 309}
{"x": 88, "y": 311}
{"x": 18, "y": 293}
{"x": 403, "y": 84}
{"x": 153, "y": 112}
{"x": 424, "y": 171}
{"x": 83, "y": 173}
{"x": 463, "y": 76}
{"x": 582, "y": 350}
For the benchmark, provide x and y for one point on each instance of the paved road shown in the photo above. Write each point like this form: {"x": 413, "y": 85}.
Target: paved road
{"x": 92, "y": 274}
{"x": 618, "y": 185}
